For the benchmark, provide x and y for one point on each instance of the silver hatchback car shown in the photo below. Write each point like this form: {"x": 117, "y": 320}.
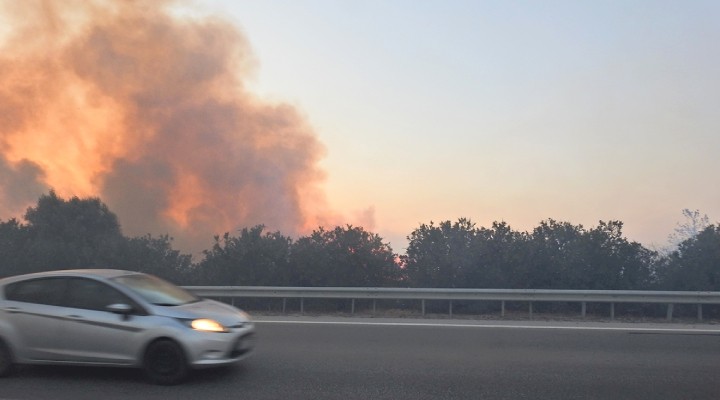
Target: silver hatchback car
{"x": 105, "y": 317}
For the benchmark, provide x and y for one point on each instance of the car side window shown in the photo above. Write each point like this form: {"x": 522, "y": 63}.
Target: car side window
{"x": 48, "y": 291}
{"x": 93, "y": 295}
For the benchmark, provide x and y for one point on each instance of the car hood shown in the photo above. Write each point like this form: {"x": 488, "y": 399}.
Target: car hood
{"x": 225, "y": 314}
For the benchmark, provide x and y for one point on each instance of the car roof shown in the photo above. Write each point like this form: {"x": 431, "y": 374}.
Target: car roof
{"x": 93, "y": 272}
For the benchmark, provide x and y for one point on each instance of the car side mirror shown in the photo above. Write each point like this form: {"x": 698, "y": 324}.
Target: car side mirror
{"x": 123, "y": 309}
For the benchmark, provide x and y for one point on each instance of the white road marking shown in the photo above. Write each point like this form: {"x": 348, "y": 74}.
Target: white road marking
{"x": 494, "y": 326}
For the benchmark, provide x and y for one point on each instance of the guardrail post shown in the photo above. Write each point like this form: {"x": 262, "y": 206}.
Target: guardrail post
{"x": 531, "y": 310}
{"x": 302, "y": 305}
{"x": 374, "y": 304}
{"x": 422, "y": 304}
{"x": 612, "y": 310}
{"x": 502, "y": 308}
{"x": 450, "y": 308}
{"x": 284, "y": 304}
{"x": 699, "y": 312}
{"x": 670, "y": 312}
{"x": 352, "y": 307}
{"x": 584, "y": 309}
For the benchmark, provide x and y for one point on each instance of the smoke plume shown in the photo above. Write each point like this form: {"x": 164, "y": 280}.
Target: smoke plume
{"x": 147, "y": 110}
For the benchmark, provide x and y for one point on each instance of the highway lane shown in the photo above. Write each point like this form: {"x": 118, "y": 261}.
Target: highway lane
{"x": 342, "y": 360}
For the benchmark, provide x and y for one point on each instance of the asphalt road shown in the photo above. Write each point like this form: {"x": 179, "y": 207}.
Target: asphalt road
{"x": 379, "y": 359}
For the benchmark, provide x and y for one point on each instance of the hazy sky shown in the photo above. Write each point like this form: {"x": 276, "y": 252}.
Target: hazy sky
{"x": 416, "y": 111}
{"x": 501, "y": 110}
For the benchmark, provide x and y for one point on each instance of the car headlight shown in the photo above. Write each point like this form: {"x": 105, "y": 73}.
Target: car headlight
{"x": 207, "y": 325}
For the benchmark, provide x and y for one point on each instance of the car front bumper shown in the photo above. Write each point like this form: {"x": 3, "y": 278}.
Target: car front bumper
{"x": 210, "y": 349}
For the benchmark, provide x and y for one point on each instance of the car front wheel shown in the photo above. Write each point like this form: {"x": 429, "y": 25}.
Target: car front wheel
{"x": 164, "y": 362}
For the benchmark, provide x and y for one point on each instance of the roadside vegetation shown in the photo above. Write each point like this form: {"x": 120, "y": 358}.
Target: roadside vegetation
{"x": 83, "y": 233}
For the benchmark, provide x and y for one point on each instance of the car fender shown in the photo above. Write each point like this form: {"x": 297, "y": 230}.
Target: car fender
{"x": 170, "y": 330}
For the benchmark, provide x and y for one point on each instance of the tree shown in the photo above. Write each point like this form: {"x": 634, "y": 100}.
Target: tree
{"x": 78, "y": 233}
{"x": 566, "y": 256}
{"x": 556, "y": 258}
{"x": 155, "y": 255}
{"x": 440, "y": 256}
{"x": 252, "y": 258}
{"x": 501, "y": 257}
{"x": 344, "y": 256}
{"x": 695, "y": 265}
{"x": 694, "y": 223}
{"x": 13, "y": 242}
{"x": 614, "y": 263}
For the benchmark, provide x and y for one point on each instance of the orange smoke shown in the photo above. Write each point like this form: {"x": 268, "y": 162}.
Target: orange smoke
{"x": 146, "y": 110}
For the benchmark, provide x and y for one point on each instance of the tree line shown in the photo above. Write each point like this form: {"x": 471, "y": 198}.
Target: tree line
{"x": 83, "y": 233}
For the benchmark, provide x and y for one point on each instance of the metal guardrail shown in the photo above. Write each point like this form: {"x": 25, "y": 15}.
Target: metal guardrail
{"x": 502, "y": 295}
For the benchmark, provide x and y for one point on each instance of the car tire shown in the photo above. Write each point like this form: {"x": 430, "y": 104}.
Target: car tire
{"x": 164, "y": 362}
{"x": 6, "y": 359}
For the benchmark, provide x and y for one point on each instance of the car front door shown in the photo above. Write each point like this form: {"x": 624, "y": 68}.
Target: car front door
{"x": 94, "y": 334}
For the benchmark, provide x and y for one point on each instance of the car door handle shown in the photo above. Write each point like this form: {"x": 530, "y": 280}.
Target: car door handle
{"x": 75, "y": 317}
{"x": 12, "y": 310}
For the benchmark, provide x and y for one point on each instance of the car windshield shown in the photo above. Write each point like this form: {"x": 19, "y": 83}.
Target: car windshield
{"x": 155, "y": 290}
